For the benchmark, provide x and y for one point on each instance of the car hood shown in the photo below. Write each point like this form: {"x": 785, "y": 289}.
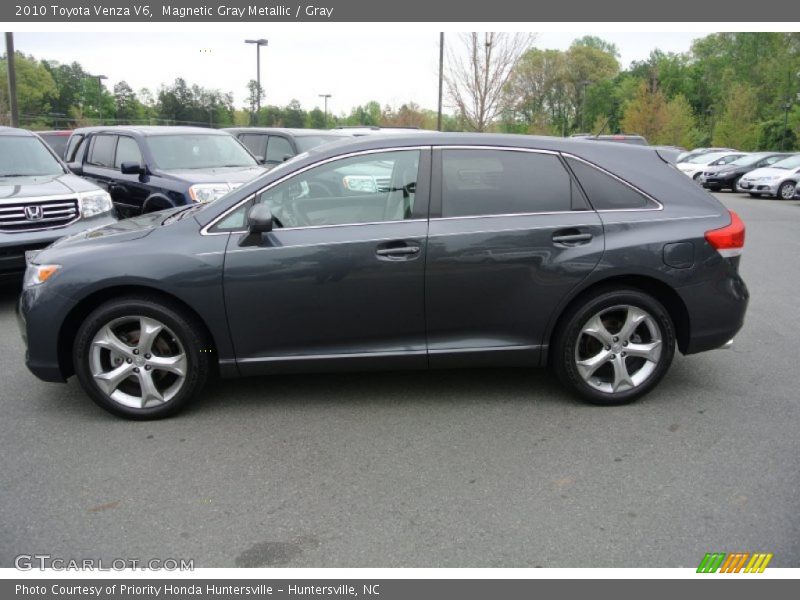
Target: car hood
{"x": 14, "y": 189}
{"x": 769, "y": 171}
{"x": 127, "y": 229}
{"x": 220, "y": 175}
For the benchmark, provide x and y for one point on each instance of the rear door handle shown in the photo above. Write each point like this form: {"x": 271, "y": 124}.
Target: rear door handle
{"x": 572, "y": 238}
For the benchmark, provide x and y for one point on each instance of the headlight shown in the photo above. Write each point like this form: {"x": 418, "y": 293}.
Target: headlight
{"x": 37, "y": 274}
{"x": 769, "y": 178}
{"x": 208, "y": 192}
{"x": 95, "y": 203}
{"x": 360, "y": 183}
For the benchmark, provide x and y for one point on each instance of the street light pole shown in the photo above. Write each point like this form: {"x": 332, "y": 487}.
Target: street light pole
{"x": 584, "y": 83}
{"x": 441, "y": 78}
{"x": 259, "y": 42}
{"x": 100, "y": 79}
{"x": 325, "y": 96}
{"x": 786, "y": 108}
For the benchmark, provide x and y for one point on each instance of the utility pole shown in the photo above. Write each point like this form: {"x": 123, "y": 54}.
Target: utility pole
{"x": 12, "y": 80}
{"x": 441, "y": 78}
{"x": 325, "y": 96}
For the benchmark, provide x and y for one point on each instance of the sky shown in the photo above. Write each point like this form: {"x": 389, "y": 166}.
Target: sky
{"x": 392, "y": 65}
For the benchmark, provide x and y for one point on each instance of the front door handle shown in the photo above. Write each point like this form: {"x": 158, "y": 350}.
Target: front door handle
{"x": 400, "y": 251}
{"x": 571, "y": 239}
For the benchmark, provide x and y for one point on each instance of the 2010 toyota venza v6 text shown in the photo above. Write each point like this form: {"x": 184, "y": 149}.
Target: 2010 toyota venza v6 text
{"x": 417, "y": 251}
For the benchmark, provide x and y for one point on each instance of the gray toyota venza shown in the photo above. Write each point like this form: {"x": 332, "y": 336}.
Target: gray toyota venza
{"x": 403, "y": 252}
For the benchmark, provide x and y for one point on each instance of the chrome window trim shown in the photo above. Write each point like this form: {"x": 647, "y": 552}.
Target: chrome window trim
{"x": 658, "y": 204}
{"x": 205, "y": 230}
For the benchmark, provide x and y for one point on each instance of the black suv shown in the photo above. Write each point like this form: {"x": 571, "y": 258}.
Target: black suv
{"x": 406, "y": 251}
{"x": 146, "y": 169}
{"x": 273, "y": 145}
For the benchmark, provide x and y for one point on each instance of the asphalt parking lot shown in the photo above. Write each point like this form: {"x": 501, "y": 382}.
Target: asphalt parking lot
{"x": 446, "y": 469}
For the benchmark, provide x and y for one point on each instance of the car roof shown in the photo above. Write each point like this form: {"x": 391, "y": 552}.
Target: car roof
{"x": 150, "y": 130}
{"x": 15, "y": 131}
{"x": 293, "y": 131}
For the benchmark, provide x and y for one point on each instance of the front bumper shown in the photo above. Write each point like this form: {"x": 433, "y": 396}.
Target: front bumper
{"x": 715, "y": 181}
{"x": 14, "y": 245}
{"x": 758, "y": 187}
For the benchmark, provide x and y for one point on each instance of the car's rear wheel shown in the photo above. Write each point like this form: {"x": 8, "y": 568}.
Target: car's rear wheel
{"x": 615, "y": 346}
{"x": 786, "y": 190}
{"x": 140, "y": 358}
{"x": 735, "y": 184}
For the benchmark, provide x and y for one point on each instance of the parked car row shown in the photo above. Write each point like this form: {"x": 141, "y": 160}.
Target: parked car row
{"x": 773, "y": 174}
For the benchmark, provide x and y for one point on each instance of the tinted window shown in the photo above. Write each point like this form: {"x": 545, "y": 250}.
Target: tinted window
{"x": 605, "y": 192}
{"x": 496, "y": 182}
{"x": 278, "y": 149}
{"x": 57, "y": 141}
{"x": 26, "y": 156}
{"x": 198, "y": 151}
{"x": 127, "y": 151}
{"x": 307, "y": 142}
{"x": 255, "y": 142}
{"x": 362, "y": 189}
{"x": 74, "y": 147}
{"x": 102, "y": 152}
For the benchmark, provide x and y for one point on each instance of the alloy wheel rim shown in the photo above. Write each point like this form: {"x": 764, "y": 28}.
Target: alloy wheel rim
{"x": 787, "y": 191}
{"x": 137, "y": 362}
{"x": 618, "y": 349}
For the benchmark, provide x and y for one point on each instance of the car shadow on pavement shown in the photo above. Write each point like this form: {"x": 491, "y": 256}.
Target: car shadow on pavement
{"x": 420, "y": 387}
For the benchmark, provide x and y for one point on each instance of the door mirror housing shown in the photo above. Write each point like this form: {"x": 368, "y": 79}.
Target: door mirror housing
{"x": 259, "y": 222}
{"x": 131, "y": 168}
{"x": 76, "y": 168}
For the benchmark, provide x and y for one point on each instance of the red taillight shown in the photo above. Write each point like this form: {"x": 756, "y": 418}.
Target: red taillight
{"x": 728, "y": 240}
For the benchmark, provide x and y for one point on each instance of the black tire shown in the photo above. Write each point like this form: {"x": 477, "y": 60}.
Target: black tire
{"x": 786, "y": 191}
{"x": 735, "y": 184}
{"x": 181, "y": 328}
{"x": 753, "y": 195}
{"x": 568, "y": 336}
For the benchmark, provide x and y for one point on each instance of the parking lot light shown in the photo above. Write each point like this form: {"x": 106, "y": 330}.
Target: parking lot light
{"x": 259, "y": 42}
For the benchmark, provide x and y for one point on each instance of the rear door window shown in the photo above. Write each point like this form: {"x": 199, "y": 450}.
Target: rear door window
{"x": 503, "y": 182}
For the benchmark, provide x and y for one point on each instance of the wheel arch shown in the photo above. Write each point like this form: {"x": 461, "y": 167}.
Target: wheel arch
{"x": 82, "y": 309}
{"x": 661, "y": 291}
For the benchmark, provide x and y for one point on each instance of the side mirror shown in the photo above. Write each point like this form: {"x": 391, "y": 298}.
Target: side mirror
{"x": 287, "y": 157}
{"x": 259, "y": 222}
{"x": 261, "y": 160}
{"x": 131, "y": 168}
{"x": 259, "y": 219}
{"x": 76, "y": 168}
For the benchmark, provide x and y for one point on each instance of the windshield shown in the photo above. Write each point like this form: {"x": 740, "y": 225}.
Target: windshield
{"x": 198, "y": 151}
{"x": 788, "y": 163}
{"x": 704, "y": 159}
{"x": 24, "y": 156}
{"x": 307, "y": 142}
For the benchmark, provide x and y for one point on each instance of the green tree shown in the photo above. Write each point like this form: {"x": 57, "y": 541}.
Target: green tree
{"x": 737, "y": 126}
{"x": 36, "y": 90}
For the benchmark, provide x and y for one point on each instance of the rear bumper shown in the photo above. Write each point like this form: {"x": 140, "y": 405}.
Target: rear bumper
{"x": 716, "y": 309}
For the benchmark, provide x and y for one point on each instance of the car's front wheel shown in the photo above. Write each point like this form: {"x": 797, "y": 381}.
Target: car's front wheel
{"x": 140, "y": 358}
{"x": 786, "y": 190}
{"x": 615, "y": 346}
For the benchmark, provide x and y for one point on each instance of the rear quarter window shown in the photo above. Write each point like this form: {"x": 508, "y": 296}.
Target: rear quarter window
{"x": 606, "y": 192}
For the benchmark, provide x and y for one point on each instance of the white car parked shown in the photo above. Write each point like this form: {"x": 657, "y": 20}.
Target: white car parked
{"x": 694, "y": 167}
{"x": 779, "y": 180}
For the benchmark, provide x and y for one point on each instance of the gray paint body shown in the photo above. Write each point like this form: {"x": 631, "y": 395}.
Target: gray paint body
{"x": 481, "y": 291}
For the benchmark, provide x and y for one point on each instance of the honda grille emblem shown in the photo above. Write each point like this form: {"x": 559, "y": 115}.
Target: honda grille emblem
{"x": 33, "y": 213}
